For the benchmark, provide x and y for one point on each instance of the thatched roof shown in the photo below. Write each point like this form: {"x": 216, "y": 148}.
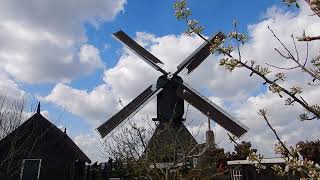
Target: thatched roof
{"x": 38, "y": 128}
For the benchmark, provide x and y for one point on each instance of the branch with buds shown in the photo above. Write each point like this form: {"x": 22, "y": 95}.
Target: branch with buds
{"x": 231, "y": 63}
{"x": 307, "y": 169}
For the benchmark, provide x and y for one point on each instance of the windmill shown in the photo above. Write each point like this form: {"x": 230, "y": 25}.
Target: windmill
{"x": 171, "y": 93}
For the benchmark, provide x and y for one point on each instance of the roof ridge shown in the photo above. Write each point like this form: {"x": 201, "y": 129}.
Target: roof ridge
{"x": 42, "y": 121}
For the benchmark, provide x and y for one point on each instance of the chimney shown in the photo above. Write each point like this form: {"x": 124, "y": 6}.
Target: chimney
{"x": 209, "y": 133}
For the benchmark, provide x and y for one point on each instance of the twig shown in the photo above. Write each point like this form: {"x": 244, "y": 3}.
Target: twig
{"x": 296, "y": 60}
{"x": 278, "y": 51}
{"x": 232, "y": 139}
{"x": 315, "y": 11}
{"x": 238, "y": 43}
{"x": 307, "y": 55}
{"x": 295, "y": 47}
{"x": 282, "y": 67}
{"x": 309, "y": 119}
{"x": 263, "y": 114}
{"x": 289, "y": 52}
{"x": 309, "y": 38}
{"x": 304, "y": 100}
{"x": 267, "y": 80}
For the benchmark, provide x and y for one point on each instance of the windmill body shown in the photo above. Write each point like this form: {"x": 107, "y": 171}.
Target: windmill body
{"x": 171, "y": 93}
{"x": 169, "y": 105}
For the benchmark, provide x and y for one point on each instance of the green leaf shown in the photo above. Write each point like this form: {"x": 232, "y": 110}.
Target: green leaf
{"x": 297, "y": 5}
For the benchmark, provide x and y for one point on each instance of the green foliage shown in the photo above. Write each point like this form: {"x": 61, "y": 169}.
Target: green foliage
{"x": 316, "y": 67}
{"x": 275, "y": 88}
{"x": 181, "y": 10}
{"x": 231, "y": 47}
{"x": 280, "y": 76}
{"x": 295, "y": 90}
{"x": 306, "y": 116}
{"x": 183, "y": 13}
{"x": 263, "y": 70}
{"x": 310, "y": 150}
{"x": 240, "y": 37}
{"x": 291, "y": 2}
{"x": 243, "y": 150}
{"x": 230, "y": 63}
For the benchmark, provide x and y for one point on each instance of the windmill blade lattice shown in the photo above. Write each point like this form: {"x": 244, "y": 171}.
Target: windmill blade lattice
{"x": 216, "y": 113}
{"x": 171, "y": 91}
{"x": 140, "y": 51}
{"x": 129, "y": 110}
{"x": 200, "y": 54}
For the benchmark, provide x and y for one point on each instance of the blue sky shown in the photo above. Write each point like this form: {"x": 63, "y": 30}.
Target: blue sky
{"x": 156, "y": 18}
{"x": 65, "y": 85}
{"x": 152, "y": 17}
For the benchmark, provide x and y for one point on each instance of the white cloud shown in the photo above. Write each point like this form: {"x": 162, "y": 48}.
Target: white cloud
{"x": 261, "y": 48}
{"x": 95, "y": 105}
{"x": 40, "y": 40}
{"x": 132, "y": 75}
{"x": 236, "y": 91}
{"x": 217, "y": 100}
{"x": 283, "y": 118}
{"x": 9, "y": 87}
{"x": 128, "y": 78}
{"x": 91, "y": 146}
{"x": 90, "y": 55}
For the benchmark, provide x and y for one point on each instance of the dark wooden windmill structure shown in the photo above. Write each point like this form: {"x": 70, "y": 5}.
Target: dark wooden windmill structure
{"x": 171, "y": 92}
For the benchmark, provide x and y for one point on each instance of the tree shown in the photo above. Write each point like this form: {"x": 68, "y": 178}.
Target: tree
{"x": 11, "y": 116}
{"x": 230, "y": 50}
{"x": 150, "y": 158}
{"x": 310, "y": 150}
{"x": 314, "y": 5}
{"x": 11, "y": 113}
{"x": 242, "y": 151}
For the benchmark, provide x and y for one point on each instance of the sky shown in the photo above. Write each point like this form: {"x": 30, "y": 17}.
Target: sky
{"x": 63, "y": 54}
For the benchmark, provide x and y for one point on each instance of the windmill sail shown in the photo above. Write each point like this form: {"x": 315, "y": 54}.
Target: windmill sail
{"x": 216, "y": 113}
{"x": 199, "y": 55}
{"x": 140, "y": 51}
{"x": 173, "y": 86}
{"x": 129, "y": 110}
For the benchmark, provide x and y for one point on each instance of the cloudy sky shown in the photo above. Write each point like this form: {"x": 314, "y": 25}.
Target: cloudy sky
{"x": 62, "y": 53}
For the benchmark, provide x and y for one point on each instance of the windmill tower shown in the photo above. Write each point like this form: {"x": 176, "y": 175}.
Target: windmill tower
{"x": 171, "y": 93}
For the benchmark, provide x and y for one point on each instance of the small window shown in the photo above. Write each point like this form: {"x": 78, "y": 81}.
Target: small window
{"x": 195, "y": 162}
{"x": 236, "y": 174}
{"x": 30, "y": 169}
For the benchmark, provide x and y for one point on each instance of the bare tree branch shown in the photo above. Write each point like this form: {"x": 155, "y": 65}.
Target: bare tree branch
{"x": 263, "y": 114}
{"x": 290, "y": 56}
{"x": 309, "y": 38}
{"x": 268, "y": 81}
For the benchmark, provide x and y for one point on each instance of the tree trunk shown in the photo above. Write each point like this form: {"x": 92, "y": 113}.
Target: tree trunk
{"x": 167, "y": 174}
